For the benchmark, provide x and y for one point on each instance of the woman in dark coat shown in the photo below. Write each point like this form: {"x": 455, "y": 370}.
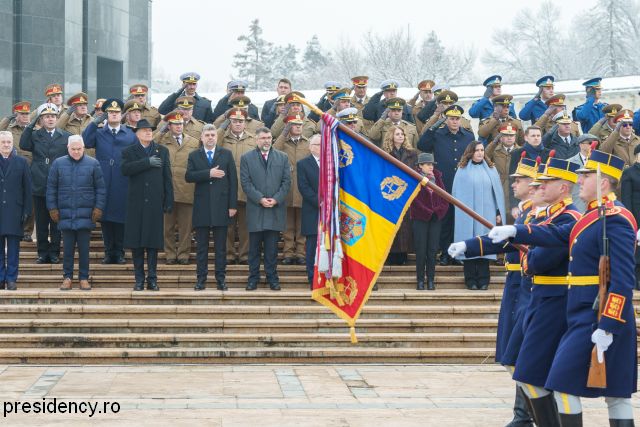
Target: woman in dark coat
{"x": 630, "y": 198}
{"x": 426, "y": 213}
{"x": 15, "y": 208}
{"x": 395, "y": 143}
{"x": 150, "y": 195}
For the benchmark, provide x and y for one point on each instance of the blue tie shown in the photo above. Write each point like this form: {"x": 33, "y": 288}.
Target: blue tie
{"x": 210, "y": 156}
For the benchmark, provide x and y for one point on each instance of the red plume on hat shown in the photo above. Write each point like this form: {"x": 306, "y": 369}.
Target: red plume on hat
{"x": 523, "y": 155}
{"x": 552, "y": 153}
{"x": 538, "y": 160}
{"x": 594, "y": 145}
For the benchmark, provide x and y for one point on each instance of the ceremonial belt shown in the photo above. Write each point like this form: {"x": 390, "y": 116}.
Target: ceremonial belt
{"x": 583, "y": 280}
{"x": 550, "y": 280}
{"x": 512, "y": 266}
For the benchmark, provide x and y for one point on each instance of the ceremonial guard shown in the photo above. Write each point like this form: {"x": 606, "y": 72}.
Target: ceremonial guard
{"x": 591, "y": 111}
{"x": 483, "y": 108}
{"x": 606, "y": 234}
{"x": 536, "y": 107}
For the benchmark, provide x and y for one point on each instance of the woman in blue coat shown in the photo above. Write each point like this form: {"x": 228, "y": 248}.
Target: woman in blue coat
{"x": 15, "y": 208}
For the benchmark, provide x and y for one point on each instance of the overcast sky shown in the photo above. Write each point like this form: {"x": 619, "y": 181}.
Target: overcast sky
{"x": 202, "y": 35}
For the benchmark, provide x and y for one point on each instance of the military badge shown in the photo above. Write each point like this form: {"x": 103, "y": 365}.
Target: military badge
{"x": 345, "y": 156}
{"x": 392, "y": 187}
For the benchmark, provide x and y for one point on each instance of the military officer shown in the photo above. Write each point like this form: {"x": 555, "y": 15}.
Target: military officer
{"x": 201, "y": 106}
{"x": 603, "y": 127}
{"x": 180, "y": 145}
{"x": 269, "y": 113}
{"x": 560, "y": 138}
{"x": 237, "y": 89}
{"x": 430, "y": 107}
{"x": 325, "y": 102}
{"x": 349, "y": 116}
{"x": 500, "y": 152}
{"x": 76, "y": 118}
{"x": 378, "y": 102}
{"x": 236, "y": 139}
{"x": 536, "y": 107}
{"x": 16, "y": 124}
{"x": 483, "y": 108}
{"x": 192, "y": 126}
{"x": 341, "y": 100}
{"x": 446, "y": 139}
{"x": 360, "y": 97}
{"x": 139, "y": 93}
{"x": 293, "y": 107}
{"x": 243, "y": 102}
{"x": 393, "y": 117}
{"x": 490, "y": 127}
{"x": 53, "y": 95}
{"x": 555, "y": 105}
{"x": 97, "y": 108}
{"x": 622, "y": 140}
{"x": 296, "y": 146}
{"x": 613, "y": 330}
{"x": 132, "y": 113}
{"x": 511, "y": 302}
{"x": 591, "y": 111}
{"x": 420, "y": 99}
{"x": 445, "y": 99}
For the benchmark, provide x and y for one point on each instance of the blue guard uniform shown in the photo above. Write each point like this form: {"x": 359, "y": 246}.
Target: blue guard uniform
{"x": 536, "y": 107}
{"x": 589, "y": 112}
{"x": 483, "y": 107}
{"x": 544, "y": 320}
{"x": 570, "y": 367}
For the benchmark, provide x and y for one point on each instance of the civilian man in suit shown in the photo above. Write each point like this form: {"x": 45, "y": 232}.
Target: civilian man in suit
{"x": 15, "y": 208}
{"x": 215, "y": 202}
{"x": 265, "y": 175}
{"x": 46, "y": 144}
{"x": 308, "y": 176}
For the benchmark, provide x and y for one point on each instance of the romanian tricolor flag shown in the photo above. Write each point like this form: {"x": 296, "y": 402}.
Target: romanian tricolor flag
{"x": 363, "y": 197}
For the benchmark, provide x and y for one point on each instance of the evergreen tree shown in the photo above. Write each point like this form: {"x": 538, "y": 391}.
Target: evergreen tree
{"x": 254, "y": 64}
{"x": 285, "y": 63}
{"x": 314, "y": 57}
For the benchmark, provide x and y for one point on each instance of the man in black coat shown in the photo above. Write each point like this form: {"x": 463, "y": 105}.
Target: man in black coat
{"x": 630, "y": 197}
{"x": 308, "y": 177}
{"x": 46, "y": 144}
{"x": 446, "y": 139}
{"x": 202, "y": 107}
{"x": 215, "y": 202}
{"x": 560, "y": 139}
{"x": 15, "y": 208}
{"x": 269, "y": 114}
{"x": 150, "y": 195}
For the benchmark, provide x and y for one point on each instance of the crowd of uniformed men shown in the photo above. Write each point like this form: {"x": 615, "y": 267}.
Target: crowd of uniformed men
{"x": 155, "y": 178}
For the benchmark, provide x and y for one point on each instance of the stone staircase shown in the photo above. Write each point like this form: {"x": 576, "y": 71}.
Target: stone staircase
{"x": 112, "y": 324}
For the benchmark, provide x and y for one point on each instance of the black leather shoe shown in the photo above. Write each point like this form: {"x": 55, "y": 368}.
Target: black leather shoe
{"x": 251, "y": 286}
{"x": 288, "y": 261}
{"x": 221, "y": 286}
{"x": 12, "y": 286}
{"x": 301, "y": 261}
{"x": 120, "y": 260}
{"x": 201, "y": 285}
{"x": 444, "y": 260}
{"x": 54, "y": 259}
{"x": 430, "y": 285}
{"x": 183, "y": 261}
{"x": 455, "y": 262}
{"x": 107, "y": 260}
{"x": 42, "y": 260}
{"x": 244, "y": 262}
{"x": 483, "y": 287}
{"x": 170, "y": 262}
{"x": 27, "y": 238}
{"x": 274, "y": 286}
{"x": 152, "y": 285}
{"x": 420, "y": 286}
{"x": 139, "y": 286}
{"x": 3, "y": 284}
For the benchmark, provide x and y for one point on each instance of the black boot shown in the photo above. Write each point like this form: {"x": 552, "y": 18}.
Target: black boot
{"x": 430, "y": 285}
{"x": 570, "y": 420}
{"x": 621, "y": 423}
{"x": 546, "y": 412}
{"x": 420, "y": 286}
{"x": 521, "y": 415}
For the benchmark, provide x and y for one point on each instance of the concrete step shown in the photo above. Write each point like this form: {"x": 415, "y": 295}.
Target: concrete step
{"x": 213, "y": 355}
{"x": 275, "y": 326}
{"x": 177, "y": 296}
{"x": 265, "y": 312}
{"x": 241, "y": 340}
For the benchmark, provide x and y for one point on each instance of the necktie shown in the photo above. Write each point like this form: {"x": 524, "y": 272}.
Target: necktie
{"x": 264, "y": 156}
{"x": 114, "y": 132}
{"x": 51, "y": 133}
{"x": 566, "y": 139}
{"x": 210, "y": 156}
{"x": 178, "y": 140}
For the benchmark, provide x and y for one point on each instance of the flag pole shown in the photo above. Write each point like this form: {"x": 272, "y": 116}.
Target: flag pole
{"x": 414, "y": 174}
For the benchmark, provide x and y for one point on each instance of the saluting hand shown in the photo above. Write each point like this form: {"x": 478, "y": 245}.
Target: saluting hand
{"x": 232, "y": 212}
{"x": 216, "y": 172}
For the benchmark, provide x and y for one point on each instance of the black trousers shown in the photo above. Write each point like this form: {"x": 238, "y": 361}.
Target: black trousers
{"x": 138, "y": 263}
{"x": 72, "y": 239}
{"x": 426, "y": 239}
{"x": 310, "y": 254}
{"x": 446, "y": 232}
{"x": 10, "y": 264}
{"x": 113, "y": 237}
{"x": 202, "y": 251}
{"x": 47, "y": 233}
{"x": 263, "y": 242}
{"x": 476, "y": 272}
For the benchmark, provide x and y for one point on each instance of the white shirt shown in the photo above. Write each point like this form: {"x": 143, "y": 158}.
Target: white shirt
{"x": 317, "y": 159}
{"x": 116, "y": 129}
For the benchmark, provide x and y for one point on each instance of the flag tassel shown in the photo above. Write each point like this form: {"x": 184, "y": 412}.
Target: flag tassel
{"x": 352, "y": 332}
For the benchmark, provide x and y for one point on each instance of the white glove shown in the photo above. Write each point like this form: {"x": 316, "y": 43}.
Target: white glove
{"x": 501, "y": 233}
{"x": 602, "y": 340}
{"x": 638, "y": 237}
{"x": 456, "y": 249}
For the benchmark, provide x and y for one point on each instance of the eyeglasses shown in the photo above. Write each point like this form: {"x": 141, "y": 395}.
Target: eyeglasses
{"x": 625, "y": 125}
